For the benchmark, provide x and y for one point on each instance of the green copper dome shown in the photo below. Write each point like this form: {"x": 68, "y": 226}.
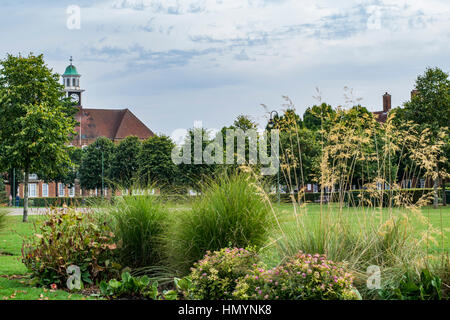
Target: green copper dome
{"x": 71, "y": 71}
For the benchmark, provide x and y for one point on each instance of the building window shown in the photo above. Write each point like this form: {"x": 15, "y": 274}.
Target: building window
{"x": 309, "y": 186}
{"x": 32, "y": 190}
{"x": 73, "y": 82}
{"x": 72, "y": 191}
{"x": 61, "y": 190}
{"x": 68, "y": 82}
{"x": 32, "y": 176}
{"x": 422, "y": 183}
{"x": 408, "y": 184}
{"x": 45, "y": 190}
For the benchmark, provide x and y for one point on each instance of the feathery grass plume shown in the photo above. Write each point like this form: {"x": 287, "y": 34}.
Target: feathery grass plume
{"x": 381, "y": 227}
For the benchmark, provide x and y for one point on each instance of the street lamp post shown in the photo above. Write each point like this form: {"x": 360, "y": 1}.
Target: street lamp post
{"x": 14, "y": 188}
{"x": 270, "y": 125}
{"x": 103, "y": 183}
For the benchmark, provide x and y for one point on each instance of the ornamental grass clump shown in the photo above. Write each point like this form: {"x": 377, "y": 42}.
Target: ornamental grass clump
{"x": 231, "y": 212}
{"x": 302, "y": 277}
{"x": 215, "y": 276}
{"x": 139, "y": 223}
{"x": 64, "y": 238}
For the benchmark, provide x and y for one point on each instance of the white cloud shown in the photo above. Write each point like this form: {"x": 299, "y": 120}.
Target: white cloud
{"x": 181, "y": 53}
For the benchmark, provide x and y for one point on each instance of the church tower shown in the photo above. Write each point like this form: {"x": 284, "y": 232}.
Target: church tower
{"x": 71, "y": 81}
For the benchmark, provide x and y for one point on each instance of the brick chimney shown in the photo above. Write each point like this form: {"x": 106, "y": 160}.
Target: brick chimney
{"x": 414, "y": 93}
{"x": 386, "y": 102}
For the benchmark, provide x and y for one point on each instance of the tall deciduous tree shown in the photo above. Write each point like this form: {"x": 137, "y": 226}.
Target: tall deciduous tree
{"x": 155, "y": 162}
{"x": 124, "y": 163}
{"x": 242, "y": 125}
{"x": 72, "y": 169}
{"x": 91, "y": 164}
{"x": 430, "y": 109}
{"x": 317, "y": 117}
{"x": 36, "y": 121}
{"x": 192, "y": 174}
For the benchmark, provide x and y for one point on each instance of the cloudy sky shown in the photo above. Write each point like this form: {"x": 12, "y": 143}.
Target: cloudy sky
{"x": 173, "y": 62}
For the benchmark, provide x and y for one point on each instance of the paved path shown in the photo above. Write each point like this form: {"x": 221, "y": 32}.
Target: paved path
{"x": 32, "y": 211}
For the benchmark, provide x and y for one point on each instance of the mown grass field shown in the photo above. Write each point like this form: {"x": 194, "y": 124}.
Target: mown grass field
{"x": 16, "y": 284}
{"x": 439, "y": 219}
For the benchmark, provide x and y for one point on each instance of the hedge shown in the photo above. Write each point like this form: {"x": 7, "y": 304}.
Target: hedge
{"x": 60, "y": 201}
{"x": 353, "y": 198}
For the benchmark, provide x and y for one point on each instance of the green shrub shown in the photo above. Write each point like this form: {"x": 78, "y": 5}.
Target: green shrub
{"x": 427, "y": 287}
{"x": 303, "y": 277}
{"x": 363, "y": 198}
{"x": 140, "y": 223}
{"x": 389, "y": 198}
{"x": 45, "y": 202}
{"x": 65, "y": 238}
{"x": 232, "y": 212}
{"x": 129, "y": 287}
{"x": 132, "y": 287}
{"x": 214, "y": 277}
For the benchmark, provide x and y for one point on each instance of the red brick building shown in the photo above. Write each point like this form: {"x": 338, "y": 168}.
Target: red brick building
{"x": 115, "y": 124}
{"x": 381, "y": 116}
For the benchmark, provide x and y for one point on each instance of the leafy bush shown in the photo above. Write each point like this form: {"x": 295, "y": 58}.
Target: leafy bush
{"x": 303, "y": 277}
{"x": 67, "y": 237}
{"x": 427, "y": 287}
{"x": 136, "y": 288}
{"x": 129, "y": 287}
{"x": 44, "y": 202}
{"x": 214, "y": 277}
{"x": 354, "y": 198}
{"x": 232, "y": 212}
{"x": 139, "y": 226}
{"x": 389, "y": 198}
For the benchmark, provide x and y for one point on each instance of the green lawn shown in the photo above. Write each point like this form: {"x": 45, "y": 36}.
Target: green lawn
{"x": 14, "y": 281}
{"x": 438, "y": 218}
{"x": 16, "y": 284}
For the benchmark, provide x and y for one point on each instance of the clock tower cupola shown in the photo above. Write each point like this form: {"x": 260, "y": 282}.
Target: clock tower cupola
{"x": 71, "y": 81}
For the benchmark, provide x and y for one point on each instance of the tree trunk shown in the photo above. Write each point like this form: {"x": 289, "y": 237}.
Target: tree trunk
{"x": 25, "y": 197}
{"x": 436, "y": 195}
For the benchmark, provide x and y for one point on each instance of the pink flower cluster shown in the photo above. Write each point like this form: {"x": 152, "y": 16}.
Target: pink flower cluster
{"x": 304, "y": 276}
